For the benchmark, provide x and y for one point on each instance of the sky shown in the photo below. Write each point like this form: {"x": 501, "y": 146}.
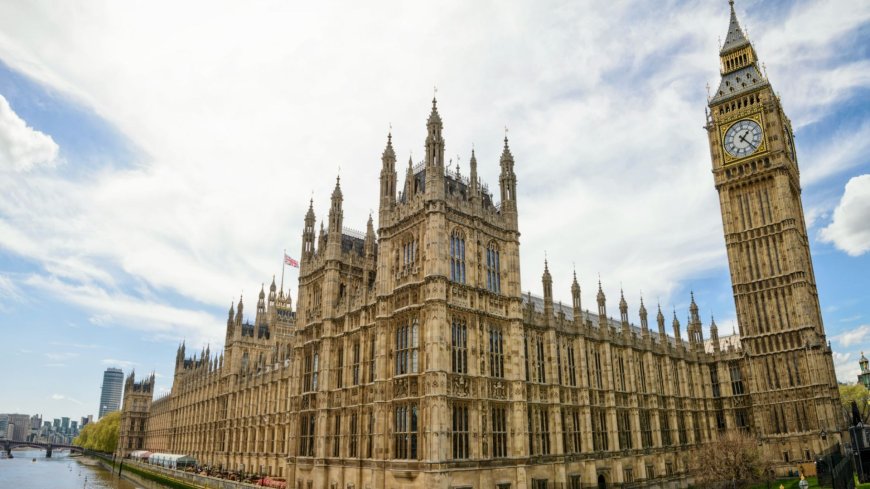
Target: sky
{"x": 156, "y": 158}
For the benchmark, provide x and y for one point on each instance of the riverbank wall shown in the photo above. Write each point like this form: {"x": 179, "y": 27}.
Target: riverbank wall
{"x": 175, "y": 479}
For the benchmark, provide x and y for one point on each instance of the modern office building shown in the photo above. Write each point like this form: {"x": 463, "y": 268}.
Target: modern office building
{"x": 113, "y": 385}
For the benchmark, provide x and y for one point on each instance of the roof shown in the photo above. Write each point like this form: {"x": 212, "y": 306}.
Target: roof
{"x": 744, "y": 80}
{"x": 735, "y": 37}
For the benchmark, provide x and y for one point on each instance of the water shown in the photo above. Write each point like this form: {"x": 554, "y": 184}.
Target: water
{"x": 60, "y": 472}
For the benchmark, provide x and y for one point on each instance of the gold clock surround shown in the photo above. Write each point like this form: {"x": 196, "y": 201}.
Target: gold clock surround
{"x": 723, "y": 128}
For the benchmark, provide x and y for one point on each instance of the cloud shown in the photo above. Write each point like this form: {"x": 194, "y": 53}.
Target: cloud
{"x": 614, "y": 172}
{"x": 22, "y": 147}
{"x": 849, "y": 229}
{"x": 124, "y": 364}
{"x": 62, "y": 397}
{"x": 855, "y": 336}
{"x": 60, "y": 356}
{"x": 846, "y": 368}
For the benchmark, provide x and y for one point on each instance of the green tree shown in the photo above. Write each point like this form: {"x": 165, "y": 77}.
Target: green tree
{"x": 101, "y": 436}
{"x": 853, "y": 392}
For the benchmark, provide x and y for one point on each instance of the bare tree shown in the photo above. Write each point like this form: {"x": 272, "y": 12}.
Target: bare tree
{"x": 734, "y": 459}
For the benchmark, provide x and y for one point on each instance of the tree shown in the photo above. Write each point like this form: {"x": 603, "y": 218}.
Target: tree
{"x": 101, "y": 436}
{"x": 853, "y": 392}
{"x": 735, "y": 459}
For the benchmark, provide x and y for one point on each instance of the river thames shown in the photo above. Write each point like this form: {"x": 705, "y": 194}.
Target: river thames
{"x": 60, "y": 472}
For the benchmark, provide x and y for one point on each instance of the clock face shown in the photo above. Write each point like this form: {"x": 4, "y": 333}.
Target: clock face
{"x": 743, "y": 138}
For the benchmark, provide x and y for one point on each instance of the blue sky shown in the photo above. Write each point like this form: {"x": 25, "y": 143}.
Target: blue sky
{"x": 154, "y": 166}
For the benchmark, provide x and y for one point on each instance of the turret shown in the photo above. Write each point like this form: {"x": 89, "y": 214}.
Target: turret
{"x": 336, "y": 215}
{"x": 660, "y": 320}
{"x": 676, "y": 324}
{"x": 547, "y": 280}
{"x": 644, "y": 324}
{"x": 696, "y": 336}
{"x": 623, "y": 313}
{"x": 388, "y": 177}
{"x": 508, "y": 182}
{"x": 239, "y": 312}
{"x": 434, "y": 155}
{"x": 273, "y": 295}
{"x": 602, "y": 308}
{"x": 714, "y": 335}
{"x": 308, "y": 234}
{"x": 370, "y": 238}
{"x": 575, "y": 301}
{"x": 230, "y": 325}
{"x": 475, "y": 185}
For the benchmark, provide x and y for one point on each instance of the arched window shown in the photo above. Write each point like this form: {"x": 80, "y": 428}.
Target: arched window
{"x": 459, "y": 346}
{"x": 457, "y": 257}
{"x": 407, "y": 348}
{"x": 493, "y": 273}
{"x": 409, "y": 251}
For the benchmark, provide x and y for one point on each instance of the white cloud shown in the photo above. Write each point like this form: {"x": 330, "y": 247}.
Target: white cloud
{"x": 854, "y": 336}
{"x": 849, "y": 229}
{"x": 846, "y": 367}
{"x": 236, "y": 131}
{"x": 21, "y": 146}
{"x": 60, "y": 356}
{"x": 62, "y": 397}
{"x": 124, "y": 364}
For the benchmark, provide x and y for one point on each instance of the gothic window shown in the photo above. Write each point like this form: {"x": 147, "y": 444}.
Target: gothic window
{"x": 457, "y": 257}
{"x": 620, "y": 372}
{"x": 559, "y": 362}
{"x": 539, "y": 430}
{"x": 714, "y": 381}
{"x": 736, "y": 379}
{"x": 593, "y": 367}
{"x": 623, "y": 427}
{"x": 460, "y": 431}
{"x": 572, "y": 370}
{"x": 405, "y": 432}
{"x": 496, "y": 352}
{"x": 641, "y": 366}
{"x": 354, "y": 436}
{"x": 499, "y": 432}
{"x": 339, "y": 377}
{"x": 493, "y": 274}
{"x": 539, "y": 360}
{"x": 599, "y": 429}
{"x": 741, "y": 419}
{"x": 526, "y": 356}
{"x": 355, "y": 365}
{"x": 306, "y": 434}
{"x": 459, "y": 346}
{"x": 370, "y": 435}
{"x": 309, "y": 376}
{"x": 372, "y": 359}
{"x": 571, "y": 430}
{"x": 409, "y": 252}
{"x": 539, "y": 483}
{"x": 407, "y": 348}
{"x": 336, "y": 435}
{"x": 665, "y": 425}
{"x": 645, "y": 429}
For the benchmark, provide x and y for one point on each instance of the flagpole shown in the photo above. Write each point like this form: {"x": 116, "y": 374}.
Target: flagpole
{"x": 283, "y": 265}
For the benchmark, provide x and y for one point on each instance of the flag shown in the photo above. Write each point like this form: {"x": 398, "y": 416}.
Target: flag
{"x": 290, "y": 261}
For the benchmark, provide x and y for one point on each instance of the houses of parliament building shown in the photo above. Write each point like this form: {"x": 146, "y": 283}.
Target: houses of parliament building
{"x": 413, "y": 359}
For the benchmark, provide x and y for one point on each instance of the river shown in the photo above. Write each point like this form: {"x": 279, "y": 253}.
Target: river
{"x": 60, "y": 472}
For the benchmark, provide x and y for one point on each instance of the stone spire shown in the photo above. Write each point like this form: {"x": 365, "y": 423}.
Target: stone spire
{"x": 547, "y": 280}
{"x": 714, "y": 335}
{"x": 602, "y": 308}
{"x": 434, "y": 141}
{"x": 409, "y": 180}
{"x": 508, "y": 180}
{"x": 660, "y": 320}
{"x": 370, "y": 238}
{"x": 623, "y": 309}
{"x": 388, "y": 175}
{"x": 676, "y": 324}
{"x": 308, "y": 234}
{"x": 474, "y": 188}
{"x": 273, "y": 294}
{"x": 239, "y": 311}
{"x": 644, "y": 324}
{"x": 575, "y": 300}
{"x": 336, "y": 215}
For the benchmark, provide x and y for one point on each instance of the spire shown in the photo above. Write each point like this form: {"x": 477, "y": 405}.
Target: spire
{"x": 602, "y": 305}
{"x": 714, "y": 335}
{"x": 308, "y": 233}
{"x": 735, "y": 37}
{"x": 575, "y": 296}
{"x": 676, "y": 325}
{"x": 434, "y": 116}
{"x": 388, "y": 175}
{"x": 547, "y": 280}
{"x": 660, "y": 320}
{"x": 473, "y": 176}
{"x": 370, "y": 237}
{"x": 644, "y": 324}
{"x": 434, "y": 141}
{"x": 336, "y": 215}
{"x": 239, "y": 311}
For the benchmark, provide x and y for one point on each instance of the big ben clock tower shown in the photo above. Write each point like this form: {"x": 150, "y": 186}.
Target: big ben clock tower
{"x": 794, "y": 388}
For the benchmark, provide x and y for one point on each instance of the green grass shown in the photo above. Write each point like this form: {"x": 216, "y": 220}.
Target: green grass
{"x": 792, "y": 483}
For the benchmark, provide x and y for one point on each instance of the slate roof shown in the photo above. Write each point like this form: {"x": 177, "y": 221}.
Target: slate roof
{"x": 744, "y": 80}
{"x": 735, "y": 38}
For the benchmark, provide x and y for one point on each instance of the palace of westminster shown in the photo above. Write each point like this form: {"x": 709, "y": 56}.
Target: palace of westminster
{"x": 413, "y": 359}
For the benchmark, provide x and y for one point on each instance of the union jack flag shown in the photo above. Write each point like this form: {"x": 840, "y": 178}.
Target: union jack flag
{"x": 290, "y": 261}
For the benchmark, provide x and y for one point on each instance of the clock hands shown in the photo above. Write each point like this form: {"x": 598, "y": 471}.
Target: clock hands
{"x": 743, "y": 138}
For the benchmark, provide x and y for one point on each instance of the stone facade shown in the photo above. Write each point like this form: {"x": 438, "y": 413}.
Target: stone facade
{"x": 134, "y": 413}
{"x": 413, "y": 359}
